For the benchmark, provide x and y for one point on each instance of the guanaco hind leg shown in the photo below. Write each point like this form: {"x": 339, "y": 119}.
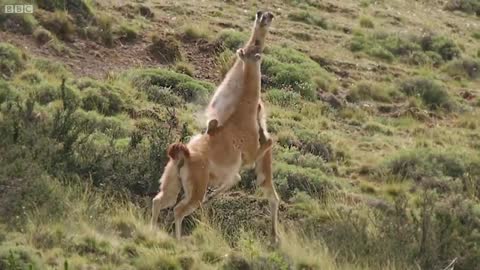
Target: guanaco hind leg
{"x": 194, "y": 181}
{"x": 263, "y": 171}
{"x": 169, "y": 189}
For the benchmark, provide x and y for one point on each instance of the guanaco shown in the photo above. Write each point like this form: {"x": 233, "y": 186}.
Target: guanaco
{"x": 215, "y": 160}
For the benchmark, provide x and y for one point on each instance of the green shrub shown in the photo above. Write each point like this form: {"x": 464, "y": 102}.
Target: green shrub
{"x": 373, "y": 128}
{"x": 302, "y": 36}
{"x": 163, "y": 95}
{"x": 126, "y": 32}
{"x": 104, "y": 26}
{"x": 185, "y": 68}
{"x": 104, "y": 102}
{"x": 19, "y": 257}
{"x": 420, "y": 58}
{"x": 476, "y": 35}
{"x": 291, "y": 179}
{"x": 422, "y": 163}
{"x": 387, "y": 46}
{"x": 365, "y": 90}
{"x": 58, "y": 22}
{"x": 287, "y": 139}
{"x": 283, "y": 98}
{"x": 366, "y": 22}
{"x": 195, "y": 31}
{"x": 17, "y": 23}
{"x": 290, "y": 77}
{"x": 234, "y": 215}
{"x": 182, "y": 85}
{"x": 90, "y": 245}
{"x": 225, "y": 61}
{"x": 165, "y": 50}
{"x": 232, "y": 39}
{"x": 432, "y": 93}
{"x": 467, "y": 6}
{"x": 42, "y": 35}
{"x": 464, "y": 68}
{"x": 444, "y": 46}
{"x": 5, "y": 91}
{"x": 103, "y": 98}
{"x": 315, "y": 144}
{"x": 30, "y": 178}
{"x": 308, "y": 18}
{"x": 46, "y": 93}
{"x": 12, "y": 60}
{"x": 292, "y": 70}
{"x": 381, "y": 53}
{"x": 30, "y": 77}
{"x": 50, "y": 67}
{"x": 79, "y": 9}
{"x": 236, "y": 262}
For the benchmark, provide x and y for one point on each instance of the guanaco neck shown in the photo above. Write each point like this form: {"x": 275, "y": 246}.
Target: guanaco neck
{"x": 257, "y": 38}
{"x": 251, "y": 72}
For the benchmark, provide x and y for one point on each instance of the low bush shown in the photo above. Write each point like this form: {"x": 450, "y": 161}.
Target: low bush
{"x": 293, "y": 70}
{"x": 18, "y": 257}
{"x": 423, "y": 163}
{"x": 50, "y": 67}
{"x": 182, "y": 85}
{"x": 126, "y": 32}
{"x": 467, "y": 6}
{"x": 58, "y": 22}
{"x": 225, "y": 61}
{"x": 364, "y": 91}
{"x": 432, "y": 93}
{"x": 308, "y": 18}
{"x": 30, "y": 178}
{"x": 184, "y": 68}
{"x": 441, "y": 45}
{"x": 232, "y": 39}
{"x": 366, "y": 22}
{"x": 194, "y": 32}
{"x": 374, "y": 128}
{"x": 466, "y": 68}
{"x": 412, "y": 49}
{"x": 103, "y": 98}
{"x": 476, "y": 35}
{"x": 42, "y": 36}
{"x": 290, "y": 179}
{"x": 81, "y": 10}
{"x": 166, "y": 50}
{"x": 12, "y": 60}
{"x": 46, "y": 93}
{"x": 283, "y": 98}
{"x": 17, "y": 23}
{"x": 104, "y": 26}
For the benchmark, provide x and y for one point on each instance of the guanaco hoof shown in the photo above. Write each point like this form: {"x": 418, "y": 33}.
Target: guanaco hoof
{"x": 212, "y": 127}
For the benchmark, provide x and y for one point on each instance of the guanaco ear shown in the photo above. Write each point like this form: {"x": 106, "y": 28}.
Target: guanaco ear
{"x": 258, "y": 16}
{"x": 241, "y": 53}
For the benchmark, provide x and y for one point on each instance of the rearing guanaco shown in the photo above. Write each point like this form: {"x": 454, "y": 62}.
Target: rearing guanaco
{"x": 210, "y": 160}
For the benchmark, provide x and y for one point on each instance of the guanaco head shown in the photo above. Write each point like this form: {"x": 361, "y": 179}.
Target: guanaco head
{"x": 250, "y": 54}
{"x": 263, "y": 19}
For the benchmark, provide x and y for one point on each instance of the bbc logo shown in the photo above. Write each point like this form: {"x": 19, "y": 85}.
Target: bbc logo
{"x": 18, "y": 8}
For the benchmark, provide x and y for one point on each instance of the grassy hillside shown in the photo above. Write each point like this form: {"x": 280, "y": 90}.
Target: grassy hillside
{"x": 374, "y": 106}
